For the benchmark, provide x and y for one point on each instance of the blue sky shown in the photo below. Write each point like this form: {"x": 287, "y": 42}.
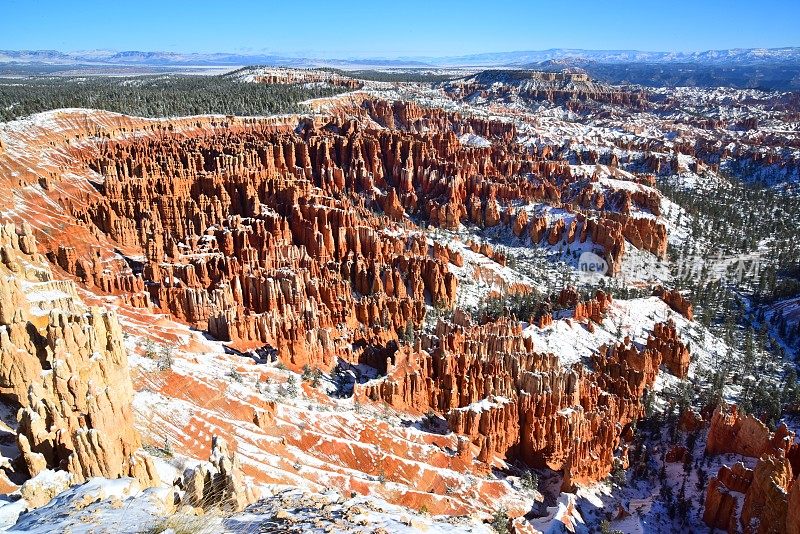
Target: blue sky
{"x": 338, "y": 28}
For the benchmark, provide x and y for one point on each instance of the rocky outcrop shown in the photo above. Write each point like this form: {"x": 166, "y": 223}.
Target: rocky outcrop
{"x": 593, "y": 308}
{"x": 606, "y": 229}
{"x": 93, "y": 273}
{"x": 752, "y": 501}
{"x": 793, "y": 509}
{"x": 300, "y": 235}
{"x": 515, "y": 403}
{"x": 674, "y": 354}
{"x": 40, "y": 490}
{"x": 690, "y": 421}
{"x": 737, "y": 478}
{"x": 245, "y": 258}
{"x": 767, "y": 490}
{"x": 296, "y": 76}
{"x": 485, "y": 249}
{"x": 676, "y": 301}
{"x": 300, "y": 510}
{"x": 218, "y": 483}
{"x": 731, "y": 432}
{"x": 573, "y": 90}
{"x": 642, "y": 232}
{"x": 720, "y": 508}
{"x": 766, "y": 502}
{"x": 65, "y": 367}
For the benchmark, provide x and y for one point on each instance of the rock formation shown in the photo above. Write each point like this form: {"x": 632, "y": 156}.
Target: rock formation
{"x": 731, "y": 432}
{"x": 793, "y": 509}
{"x": 593, "y": 309}
{"x": 63, "y": 365}
{"x": 295, "y": 76}
{"x": 753, "y": 501}
{"x": 761, "y": 496}
{"x": 570, "y": 89}
{"x": 675, "y": 355}
{"x": 766, "y": 502}
{"x": 298, "y": 236}
{"x": 512, "y": 402}
{"x": 724, "y": 495}
{"x": 676, "y": 301}
{"x": 219, "y": 483}
{"x": 690, "y": 421}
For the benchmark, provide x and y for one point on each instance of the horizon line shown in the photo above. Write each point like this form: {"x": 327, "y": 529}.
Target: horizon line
{"x": 362, "y": 55}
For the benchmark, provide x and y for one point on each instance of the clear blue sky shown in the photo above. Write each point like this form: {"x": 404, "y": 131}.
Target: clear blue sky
{"x": 337, "y": 28}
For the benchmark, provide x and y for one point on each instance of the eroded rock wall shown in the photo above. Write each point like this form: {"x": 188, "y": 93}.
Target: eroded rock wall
{"x": 234, "y": 231}
{"x": 732, "y": 432}
{"x": 759, "y": 500}
{"x": 64, "y": 366}
{"x": 752, "y": 501}
{"x": 491, "y": 385}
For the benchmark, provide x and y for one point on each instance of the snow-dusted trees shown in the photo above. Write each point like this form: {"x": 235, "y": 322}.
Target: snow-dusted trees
{"x": 155, "y": 96}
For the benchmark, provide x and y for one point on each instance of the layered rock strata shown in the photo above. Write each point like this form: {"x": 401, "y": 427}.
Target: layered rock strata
{"x": 572, "y": 90}
{"x": 759, "y": 500}
{"x": 732, "y": 432}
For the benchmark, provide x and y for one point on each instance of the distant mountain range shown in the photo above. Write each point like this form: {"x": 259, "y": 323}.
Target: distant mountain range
{"x": 737, "y": 56}
{"x": 173, "y": 59}
{"x": 759, "y": 68}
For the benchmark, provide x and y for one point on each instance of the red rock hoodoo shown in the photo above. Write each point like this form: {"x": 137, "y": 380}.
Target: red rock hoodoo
{"x": 760, "y": 500}
{"x": 301, "y": 236}
{"x": 491, "y": 385}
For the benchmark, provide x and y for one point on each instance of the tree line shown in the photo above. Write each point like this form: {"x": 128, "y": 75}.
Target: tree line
{"x": 154, "y": 96}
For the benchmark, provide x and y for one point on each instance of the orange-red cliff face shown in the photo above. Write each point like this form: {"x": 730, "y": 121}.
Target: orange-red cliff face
{"x": 731, "y": 432}
{"x": 676, "y": 301}
{"x": 759, "y": 500}
{"x": 261, "y": 235}
{"x": 675, "y": 354}
{"x": 301, "y": 239}
{"x": 753, "y": 501}
{"x": 513, "y": 402}
{"x": 793, "y": 510}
